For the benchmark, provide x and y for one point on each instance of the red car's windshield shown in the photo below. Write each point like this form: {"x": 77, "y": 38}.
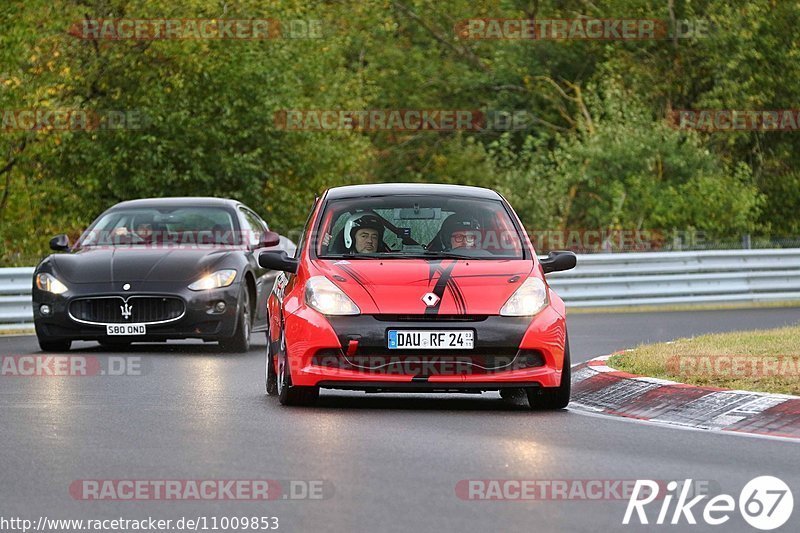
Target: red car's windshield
{"x": 402, "y": 226}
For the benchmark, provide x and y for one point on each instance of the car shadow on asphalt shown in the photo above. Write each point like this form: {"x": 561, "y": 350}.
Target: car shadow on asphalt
{"x": 329, "y": 400}
{"x": 156, "y": 349}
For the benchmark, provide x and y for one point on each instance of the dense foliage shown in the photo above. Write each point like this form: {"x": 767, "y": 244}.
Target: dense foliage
{"x": 595, "y": 150}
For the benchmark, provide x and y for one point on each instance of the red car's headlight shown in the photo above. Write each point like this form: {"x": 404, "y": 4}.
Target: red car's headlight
{"x": 324, "y": 296}
{"x": 528, "y": 300}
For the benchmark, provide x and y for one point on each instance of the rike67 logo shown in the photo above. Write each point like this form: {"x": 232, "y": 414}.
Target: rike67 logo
{"x": 765, "y": 503}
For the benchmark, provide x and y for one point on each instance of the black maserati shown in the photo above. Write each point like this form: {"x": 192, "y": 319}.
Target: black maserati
{"x": 158, "y": 269}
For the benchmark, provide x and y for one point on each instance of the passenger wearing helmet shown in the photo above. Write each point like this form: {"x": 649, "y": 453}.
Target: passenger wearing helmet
{"x": 365, "y": 236}
{"x": 460, "y": 232}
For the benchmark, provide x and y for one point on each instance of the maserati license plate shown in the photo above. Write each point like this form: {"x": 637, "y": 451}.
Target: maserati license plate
{"x": 126, "y": 329}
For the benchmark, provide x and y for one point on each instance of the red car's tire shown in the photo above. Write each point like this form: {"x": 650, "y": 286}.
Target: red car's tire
{"x": 511, "y": 395}
{"x": 271, "y": 376}
{"x": 289, "y": 394}
{"x": 553, "y": 397}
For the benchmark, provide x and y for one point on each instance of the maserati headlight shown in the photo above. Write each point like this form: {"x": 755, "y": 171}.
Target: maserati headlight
{"x": 48, "y": 283}
{"x": 219, "y": 279}
{"x": 328, "y": 299}
{"x": 528, "y": 300}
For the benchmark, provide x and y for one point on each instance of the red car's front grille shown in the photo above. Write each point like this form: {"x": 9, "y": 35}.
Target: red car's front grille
{"x": 431, "y": 318}
{"x": 429, "y": 364}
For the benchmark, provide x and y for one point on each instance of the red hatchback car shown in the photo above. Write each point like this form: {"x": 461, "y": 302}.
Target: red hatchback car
{"x": 417, "y": 288}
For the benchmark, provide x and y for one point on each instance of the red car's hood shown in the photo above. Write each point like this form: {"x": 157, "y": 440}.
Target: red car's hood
{"x": 397, "y": 286}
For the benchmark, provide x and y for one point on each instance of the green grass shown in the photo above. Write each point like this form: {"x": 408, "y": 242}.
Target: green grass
{"x": 21, "y": 331}
{"x": 766, "y": 360}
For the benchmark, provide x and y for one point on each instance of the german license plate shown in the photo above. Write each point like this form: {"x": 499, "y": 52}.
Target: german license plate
{"x": 125, "y": 329}
{"x": 431, "y": 339}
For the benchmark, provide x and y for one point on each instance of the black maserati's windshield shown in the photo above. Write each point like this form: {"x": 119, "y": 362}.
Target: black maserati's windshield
{"x": 163, "y": 225}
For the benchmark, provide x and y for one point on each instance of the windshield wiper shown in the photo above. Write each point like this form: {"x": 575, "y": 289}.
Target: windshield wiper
{"x": 426, "y": 254}
{"x": 444, "y": 255}
{"x": 365, "y": 255}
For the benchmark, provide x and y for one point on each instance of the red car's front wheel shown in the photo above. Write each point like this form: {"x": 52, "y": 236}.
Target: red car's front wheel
{"x": 270, "y": 376}
{"x": 289, "y": 394}
{"x": 553, "y": 397}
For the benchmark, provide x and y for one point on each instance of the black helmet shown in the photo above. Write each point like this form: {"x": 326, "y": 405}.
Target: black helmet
{"x": 361, "y": 222}
{"x": 455, "y": 223}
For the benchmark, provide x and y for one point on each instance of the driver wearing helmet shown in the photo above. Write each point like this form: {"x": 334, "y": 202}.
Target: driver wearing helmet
{"x": 365, "y": 236}
{"x": 460, "y": 232}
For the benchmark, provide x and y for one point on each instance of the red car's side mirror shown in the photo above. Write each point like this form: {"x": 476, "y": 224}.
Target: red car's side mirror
{"x": 557, "y": 261}
{"x": 278, "y": 261}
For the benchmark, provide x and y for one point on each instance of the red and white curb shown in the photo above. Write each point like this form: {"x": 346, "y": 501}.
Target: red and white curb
{"x": 600, "y": 389}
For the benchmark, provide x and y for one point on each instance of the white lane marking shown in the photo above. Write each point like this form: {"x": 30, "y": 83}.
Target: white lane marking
{"x": 603, "y": 368}
{"x": 579, "y": 409}
{"x": 761, "y": 401}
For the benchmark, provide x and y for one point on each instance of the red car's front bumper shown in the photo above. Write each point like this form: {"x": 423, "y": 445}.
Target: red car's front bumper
{"x": 309, "y": 334}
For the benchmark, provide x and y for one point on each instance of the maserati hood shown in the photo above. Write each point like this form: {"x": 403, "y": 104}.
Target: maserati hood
{"x": 109, "y": 264}
{"x": 424, "y": 286}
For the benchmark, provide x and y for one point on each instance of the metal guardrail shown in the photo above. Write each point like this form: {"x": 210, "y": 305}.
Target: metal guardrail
{"x": 723, "y": 276}
{"x": 599, "y": 280}
{"x": 15, "y": 298}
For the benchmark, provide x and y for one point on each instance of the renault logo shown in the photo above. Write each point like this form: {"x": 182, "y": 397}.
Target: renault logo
{"x": 430, "y": 299}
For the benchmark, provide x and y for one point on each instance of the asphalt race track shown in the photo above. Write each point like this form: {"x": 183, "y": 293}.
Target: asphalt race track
{"x": 388, "y": 463}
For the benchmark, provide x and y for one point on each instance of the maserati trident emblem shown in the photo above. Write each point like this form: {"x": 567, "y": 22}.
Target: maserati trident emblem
{"x": 126, "y": 287}
{"x": 127, "y": 310}
{"x": 430, "y": 299}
